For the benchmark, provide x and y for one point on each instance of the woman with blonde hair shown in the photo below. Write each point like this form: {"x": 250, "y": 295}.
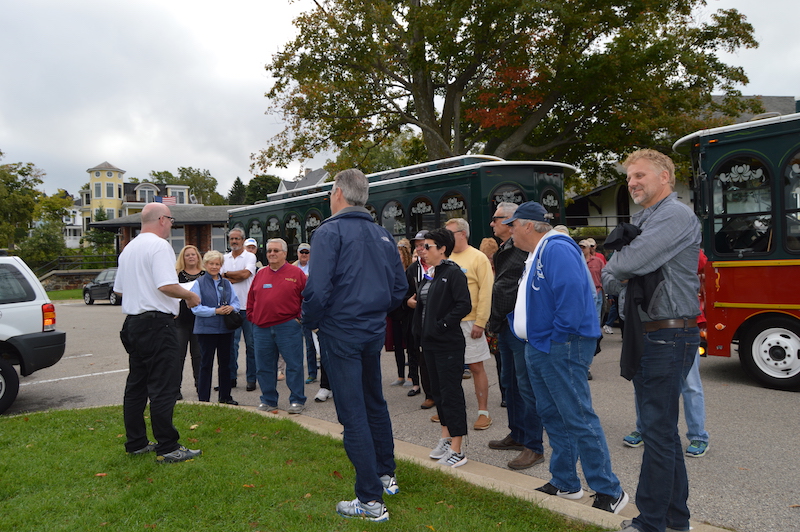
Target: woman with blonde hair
{"x": 189, "y": 268}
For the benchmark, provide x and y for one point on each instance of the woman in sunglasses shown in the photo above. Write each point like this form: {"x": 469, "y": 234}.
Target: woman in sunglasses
{"x": 442, "y": 300}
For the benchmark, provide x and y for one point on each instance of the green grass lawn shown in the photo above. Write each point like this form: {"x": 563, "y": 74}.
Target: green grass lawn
{"x": 61, "y": 295}
{"x": 67, "y": 471}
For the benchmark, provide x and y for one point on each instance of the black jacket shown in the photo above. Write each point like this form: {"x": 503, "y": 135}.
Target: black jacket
{"x": 448, "y": 303}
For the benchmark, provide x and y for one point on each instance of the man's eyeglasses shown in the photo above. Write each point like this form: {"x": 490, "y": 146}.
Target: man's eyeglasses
{"x": 170, "y": 218}
{"x": 429, "y": 246}
{"x": 274, "y": 250}
{"x": 304, "y": 252}
{"x": 495, "y": 218}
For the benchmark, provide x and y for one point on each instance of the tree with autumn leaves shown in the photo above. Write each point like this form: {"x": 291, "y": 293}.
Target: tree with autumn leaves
{"x": 578, "y": 81}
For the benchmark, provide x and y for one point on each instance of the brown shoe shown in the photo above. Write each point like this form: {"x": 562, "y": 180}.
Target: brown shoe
{"x": 427, "y": 403}
{"x": 483, "y": 423}
{"x": 507, "y": 443}
{"x": 527, "y": 458}
{"x": 435, "y": 418}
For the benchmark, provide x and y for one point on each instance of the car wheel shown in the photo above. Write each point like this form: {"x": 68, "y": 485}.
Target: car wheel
{"x": 9, "y": 384}
{"x": 114, "y": 299}
{"x": 87, "y": 297}
{"x": 769, "y": 352}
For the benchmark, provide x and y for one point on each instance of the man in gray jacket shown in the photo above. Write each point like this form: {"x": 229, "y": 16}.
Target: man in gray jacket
{"x": 669, "y": 241}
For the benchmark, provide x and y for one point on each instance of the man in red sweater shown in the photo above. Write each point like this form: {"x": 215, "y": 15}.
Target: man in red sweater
{"x": 273, "y": 307}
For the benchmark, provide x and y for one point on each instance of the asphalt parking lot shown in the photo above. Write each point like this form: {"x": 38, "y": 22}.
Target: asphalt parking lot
{"x": 746, "y": 481}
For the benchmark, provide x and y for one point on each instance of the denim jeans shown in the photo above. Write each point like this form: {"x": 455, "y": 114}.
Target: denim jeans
{"x": 152, "y": 347}
{"x": 249, "y": 347}
{"x": 285, "y": 339}
{"x": 694, "y": 404}
{"x": 598, "y": 305}
{"x": 564, "y": 402}
{"x": 354, "y": 372}
{"x": 523, "y": 419}
{"x": 311, "y": 353}
{"x": 663, "y": 484}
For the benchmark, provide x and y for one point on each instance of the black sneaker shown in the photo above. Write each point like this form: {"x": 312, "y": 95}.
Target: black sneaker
{"x": 609, "y": 503}
{"x": 149, "y": 448}
{"x": 181, "y": 454}
{"x": 229, "y": 402}
{"x": 552, "y": 490}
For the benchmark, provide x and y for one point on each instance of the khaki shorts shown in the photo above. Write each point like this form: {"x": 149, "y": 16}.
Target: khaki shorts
{"x": 477, "y": 348}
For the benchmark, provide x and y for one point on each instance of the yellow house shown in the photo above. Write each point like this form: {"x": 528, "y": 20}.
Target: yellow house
{"x": 105, "y": 192}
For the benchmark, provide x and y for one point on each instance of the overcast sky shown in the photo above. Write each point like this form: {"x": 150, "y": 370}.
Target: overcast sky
{"x": 157, "y": 84}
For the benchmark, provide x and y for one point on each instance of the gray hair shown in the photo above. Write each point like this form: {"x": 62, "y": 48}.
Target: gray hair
{"x": 280, "y": 241}
{"x": 354, "y": 186}
{"x": 461, "y": 223}
{"x": 213, "y": 254}
{"x": 237, "y": 230}
{"x": 539, "y": 227}
{"x": 507, "y": 208}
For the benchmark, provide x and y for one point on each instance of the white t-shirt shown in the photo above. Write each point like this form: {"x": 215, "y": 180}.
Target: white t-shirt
{"x": 521, "y": 306}
{"x": 245, "y": 261}
{"x": 146, "y": 263}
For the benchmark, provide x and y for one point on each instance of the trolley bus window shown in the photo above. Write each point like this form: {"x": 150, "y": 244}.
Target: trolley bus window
{"x": 792, "y": 202}
{"x": 313, "y": 219}
{"x": 273, "y": 227}
{"x": 507, "y": 192}
{"x": 256, "y": 232}
{"x": 743, "y": 207}
{"x": 292, "y": 235}
{"x": 393, "y": 219}
{"x": 453, "y": 206}
{"x": 373, "y": 211}
{"x": 423, "y": 215}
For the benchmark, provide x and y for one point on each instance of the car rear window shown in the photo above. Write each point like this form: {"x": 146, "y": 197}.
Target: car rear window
{"x": 14, "y": 287}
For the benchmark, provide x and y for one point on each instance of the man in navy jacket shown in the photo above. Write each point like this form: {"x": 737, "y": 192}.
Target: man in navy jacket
{"x": 355, "y": 277}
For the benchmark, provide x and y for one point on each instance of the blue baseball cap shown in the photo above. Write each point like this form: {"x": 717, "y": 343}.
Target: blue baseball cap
{"x": 530, "y": 210}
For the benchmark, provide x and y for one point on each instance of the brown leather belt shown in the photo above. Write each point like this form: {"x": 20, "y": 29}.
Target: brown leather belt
{"x": 651, "y": 326}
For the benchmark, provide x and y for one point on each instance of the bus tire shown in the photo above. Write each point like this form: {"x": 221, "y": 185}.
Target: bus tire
{"x": 9, "y": 384}
{"x": 769, "y": 351}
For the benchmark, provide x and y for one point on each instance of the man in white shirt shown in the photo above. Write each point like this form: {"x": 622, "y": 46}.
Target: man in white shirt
{"x": 239, "y": 268}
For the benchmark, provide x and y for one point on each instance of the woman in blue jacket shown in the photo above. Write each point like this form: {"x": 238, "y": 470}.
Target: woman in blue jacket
{"x": 442, "y": 300}
{"x": 217, "y": 298}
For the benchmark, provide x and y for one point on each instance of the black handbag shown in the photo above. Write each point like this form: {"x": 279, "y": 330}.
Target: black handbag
{"x": 233, "y": 320}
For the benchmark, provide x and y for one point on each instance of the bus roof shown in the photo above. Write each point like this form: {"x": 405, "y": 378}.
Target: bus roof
{"x": 684, "y": 144}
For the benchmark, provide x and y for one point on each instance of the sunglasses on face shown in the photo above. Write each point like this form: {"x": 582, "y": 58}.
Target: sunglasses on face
{"x": 431, "y": 246}
{"x": 304, "y": 252}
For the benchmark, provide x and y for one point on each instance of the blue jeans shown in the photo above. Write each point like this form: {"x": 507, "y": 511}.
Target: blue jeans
{"x": 250, "y": 351}
{"x": 564, "y": 401}
{"x": 523, "y": 419}
{"x": 694, "y": 404}
{"x": 311, "y": 353}
{"x": 354, "y": 372}
{"x": 282, "y": 339}
{"x": 663, "y": 484}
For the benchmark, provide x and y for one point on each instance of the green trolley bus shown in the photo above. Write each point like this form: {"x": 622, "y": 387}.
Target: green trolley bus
{"x": 407, "y": 200}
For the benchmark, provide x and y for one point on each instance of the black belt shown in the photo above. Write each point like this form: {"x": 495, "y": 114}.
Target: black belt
{"x": 681, "y": 323}
{"x": 153, "y": 314}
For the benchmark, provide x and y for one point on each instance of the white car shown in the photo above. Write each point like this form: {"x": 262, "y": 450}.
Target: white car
{"x": 28, "y": 335}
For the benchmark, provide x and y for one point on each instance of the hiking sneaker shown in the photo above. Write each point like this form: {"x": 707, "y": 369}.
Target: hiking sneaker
{"x": 149, "y": 448}
{"x": 323, "y": 395}
{"x": 552, "y": 490}
{"x": 440, "y": 451}
{"x": 609, "y": 503}
{"x": 453, "y": 459}
{"x": 390, "y": 486}
{"x": 181, "y": 454}
{"x": 372, "y": 511}
{"x": 607, "y": 329}
{"x": 311, "y": 379}
{"x": 634, "y": 439}
{"x": 697, "y": 448}
{"x": 268, "y": 408}
{"x": 467, "y": 374}
{"x": 295, "y": 408}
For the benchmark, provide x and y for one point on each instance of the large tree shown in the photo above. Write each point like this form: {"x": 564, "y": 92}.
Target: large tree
{"x": 238, "y": 193}
{"x": 260, "y": 186}
{"x": 18, "y": 194}
{"x": 572, "y": 80}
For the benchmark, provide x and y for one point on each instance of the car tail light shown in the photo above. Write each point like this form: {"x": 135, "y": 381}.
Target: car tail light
{"x": 48, "y": 317}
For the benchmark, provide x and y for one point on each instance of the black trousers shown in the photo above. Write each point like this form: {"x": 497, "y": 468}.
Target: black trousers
{"x": 445, "y": 370}
{"x": 153, "y": 356}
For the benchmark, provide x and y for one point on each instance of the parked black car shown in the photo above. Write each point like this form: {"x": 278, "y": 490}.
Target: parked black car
{"x": 102, "y": 288}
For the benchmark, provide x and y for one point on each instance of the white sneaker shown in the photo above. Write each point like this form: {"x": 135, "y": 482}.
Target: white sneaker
{"x": 453, "y": 459}
{"x": 441, "y": 450}
{"x": 323, "y": 395}
{"x": 607, "y": 329}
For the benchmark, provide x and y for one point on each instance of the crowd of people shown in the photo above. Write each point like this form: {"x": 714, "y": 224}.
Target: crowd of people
{"x": 532, "y": 296}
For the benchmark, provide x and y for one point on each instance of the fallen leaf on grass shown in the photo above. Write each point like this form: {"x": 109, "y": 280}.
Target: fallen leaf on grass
{"x": 192, "y": 440}
{"x": 307, "y": 496}
{"x": 430, "y": 526}
{"x": 101, "y": 474}
{"x": 249, "y": 486}
{"x": 192, "y": 427}
{"x": 337, "y": 474}
{"x": 218, "y": 430}
{"x": 289, "y": 461}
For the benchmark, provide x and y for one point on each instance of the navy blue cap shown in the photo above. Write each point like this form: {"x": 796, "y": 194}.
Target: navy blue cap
{"x": 530, "y": 210}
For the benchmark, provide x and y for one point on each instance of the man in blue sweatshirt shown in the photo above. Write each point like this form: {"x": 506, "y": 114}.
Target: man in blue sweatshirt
{"x": 355, "y": 277}
{"x": 555, "y": 314}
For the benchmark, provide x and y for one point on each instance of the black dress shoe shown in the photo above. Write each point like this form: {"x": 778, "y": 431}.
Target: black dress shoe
{"x": 233, "y": 383}
{"x": 229, "y": 402}
{"x": 250, "y": 386}
{"x": 412, "y": 392}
